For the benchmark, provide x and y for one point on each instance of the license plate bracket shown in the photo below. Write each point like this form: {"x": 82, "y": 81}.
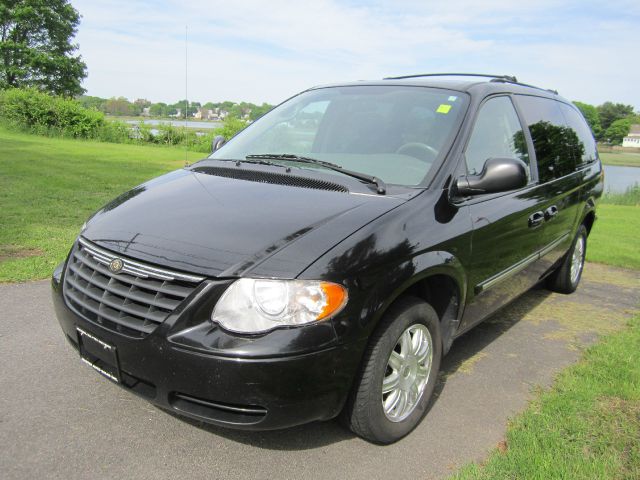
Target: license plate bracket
{"x": 99, "y": 355}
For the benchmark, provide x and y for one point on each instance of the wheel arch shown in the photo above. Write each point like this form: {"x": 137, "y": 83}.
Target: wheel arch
{"x": 441, "y": 282}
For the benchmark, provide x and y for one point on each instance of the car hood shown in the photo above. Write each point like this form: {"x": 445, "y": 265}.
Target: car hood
{"x": 198, "y": 221}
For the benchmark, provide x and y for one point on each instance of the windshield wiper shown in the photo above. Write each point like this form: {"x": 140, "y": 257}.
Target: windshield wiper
{"x": 240, "y": 162}
{"x": 381, "y": 187}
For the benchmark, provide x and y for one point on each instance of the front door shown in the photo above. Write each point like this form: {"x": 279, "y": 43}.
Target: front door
{"x": 508, "y": 227}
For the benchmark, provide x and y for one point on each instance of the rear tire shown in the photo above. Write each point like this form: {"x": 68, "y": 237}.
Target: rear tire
{"x": 567, "y": 277}
{"x": 399, "y": 373}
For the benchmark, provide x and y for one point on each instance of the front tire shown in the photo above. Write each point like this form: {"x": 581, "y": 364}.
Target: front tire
{"x": 567, "y": 277}
{"x": 399, "y": 373}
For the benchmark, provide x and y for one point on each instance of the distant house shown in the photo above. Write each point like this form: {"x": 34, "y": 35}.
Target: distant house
{"x": 146, "y": 112}
{"x": 208, "y": 114}
{"x": 633, "y": 139}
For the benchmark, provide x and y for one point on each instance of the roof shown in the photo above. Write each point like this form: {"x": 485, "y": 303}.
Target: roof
{"x": 634, "y": 130}
{"x": 471, "y": 83}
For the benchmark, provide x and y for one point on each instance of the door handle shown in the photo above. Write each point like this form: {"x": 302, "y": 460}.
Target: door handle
{"x": 550, "y": 212}
{"x": 536, "y": 219}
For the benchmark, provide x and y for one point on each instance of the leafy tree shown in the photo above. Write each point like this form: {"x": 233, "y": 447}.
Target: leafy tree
{"x": 618, "y": 130}
{"x": 159, "y": 109}
{"x": 138, "y": 105}
{"x": 118, "y": 106}
{"x": 591, "y": 115}
{"x": 230, "y": 126}
{"x": 92, "y": 103}
{"x": 36, "y": 48}
{"x": 610, "y": 112}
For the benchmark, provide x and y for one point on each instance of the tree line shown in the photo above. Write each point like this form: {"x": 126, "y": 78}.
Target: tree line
{"x": 121, "y": 106}
{"x": 610, "y": 122}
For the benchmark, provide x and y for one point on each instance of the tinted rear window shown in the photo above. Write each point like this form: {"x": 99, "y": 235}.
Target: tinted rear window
{"x": 553, "y": 140}
{"x": 585, "y": 149}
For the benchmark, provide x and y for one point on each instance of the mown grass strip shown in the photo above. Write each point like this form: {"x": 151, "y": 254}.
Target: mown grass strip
{"x": 614, "y": 238}
{"x": 49, "y": 186}
{"x": 620, "y": 159}
{"x": 587, "y": 426}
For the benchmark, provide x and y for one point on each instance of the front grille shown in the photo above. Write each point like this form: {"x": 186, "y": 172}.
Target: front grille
{"x": 134, "y": 301}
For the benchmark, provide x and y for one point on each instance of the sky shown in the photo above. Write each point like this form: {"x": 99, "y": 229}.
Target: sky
{"x": 258, "y": 51}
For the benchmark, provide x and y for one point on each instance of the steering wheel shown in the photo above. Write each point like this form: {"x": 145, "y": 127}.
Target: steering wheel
{"x": 418, "y": 150}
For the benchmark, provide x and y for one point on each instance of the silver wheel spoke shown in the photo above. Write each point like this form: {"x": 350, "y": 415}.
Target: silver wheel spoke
{"x": 392, "y": 400}
{"x": 423, "y": 371}
{"x": 415, "y": 393}
{"x": 391, "y": 382}
{"x": 423, "y": 352}
{"x": 405, "y": 343}
{"x": 402, "y": 401}
{"x": 416, "y": 342}
{"x": 395, "y": 360}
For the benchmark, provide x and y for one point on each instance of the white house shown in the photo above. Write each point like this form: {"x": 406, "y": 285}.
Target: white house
{"x": 633, "y": 139}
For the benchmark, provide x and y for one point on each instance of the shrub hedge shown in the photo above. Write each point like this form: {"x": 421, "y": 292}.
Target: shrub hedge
{"x": 36, "y": 112}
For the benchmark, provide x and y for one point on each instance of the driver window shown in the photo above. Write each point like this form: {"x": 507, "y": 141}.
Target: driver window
{"x": 496, "y": 133}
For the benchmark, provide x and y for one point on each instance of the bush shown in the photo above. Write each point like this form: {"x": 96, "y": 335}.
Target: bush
{"x": 37, "y": 112}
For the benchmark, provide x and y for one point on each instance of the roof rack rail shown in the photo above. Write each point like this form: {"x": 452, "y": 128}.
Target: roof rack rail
{"x": 494, "y": 78}
{"x": 509, "y": 78}
{"x": 504, "y": 80}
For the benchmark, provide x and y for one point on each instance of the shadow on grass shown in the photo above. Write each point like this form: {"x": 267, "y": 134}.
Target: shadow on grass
{"x": 319, "y": 434}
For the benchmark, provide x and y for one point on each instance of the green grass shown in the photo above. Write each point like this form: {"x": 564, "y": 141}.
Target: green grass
{"x": 614, "y": 238}
{"x": 622, "y": 159}
{"x": 587, "y": 426}
{"x": 48, "y": 187}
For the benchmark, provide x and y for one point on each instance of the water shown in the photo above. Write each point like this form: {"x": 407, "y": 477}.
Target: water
{"x": 618, "y": 179}
{"x": 178, "y": 123}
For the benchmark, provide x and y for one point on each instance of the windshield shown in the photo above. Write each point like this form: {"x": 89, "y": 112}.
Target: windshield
{"x": 394, "y": 133}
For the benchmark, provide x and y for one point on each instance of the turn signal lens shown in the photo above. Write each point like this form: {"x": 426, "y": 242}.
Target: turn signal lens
{"x": 335, "y": 297}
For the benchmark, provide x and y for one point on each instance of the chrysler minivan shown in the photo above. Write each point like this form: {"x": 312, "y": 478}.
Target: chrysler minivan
{"x": 322, "y": 262}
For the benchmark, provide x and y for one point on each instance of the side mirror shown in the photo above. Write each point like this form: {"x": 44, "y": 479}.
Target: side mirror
{"x": 217, "y": 142}
{"x": 498, "y": 175}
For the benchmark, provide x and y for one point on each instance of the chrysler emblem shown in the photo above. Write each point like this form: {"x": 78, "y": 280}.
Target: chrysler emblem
{"x": 116, "y": 265}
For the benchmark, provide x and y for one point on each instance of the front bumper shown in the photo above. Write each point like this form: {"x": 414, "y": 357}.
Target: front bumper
{"x": 247, "y": 391}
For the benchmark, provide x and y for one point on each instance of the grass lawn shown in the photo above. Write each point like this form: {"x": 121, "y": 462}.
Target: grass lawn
{"x": 587, "y": 426}
{"x": 48, "y": 187}
{"x": 621, "y": 159}
{"x": 614, "y": 238}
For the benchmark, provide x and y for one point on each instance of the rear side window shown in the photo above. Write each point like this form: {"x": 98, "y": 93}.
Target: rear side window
{"x": 585, "y": 148}
{"x": 553, "y": 140}
{"x": 497, "y": 133}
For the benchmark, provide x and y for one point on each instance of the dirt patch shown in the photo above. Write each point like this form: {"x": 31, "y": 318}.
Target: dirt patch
{"x": 621, "y": 277}
{"x": 605, "y": 299}
{"x": 14, "y": 252}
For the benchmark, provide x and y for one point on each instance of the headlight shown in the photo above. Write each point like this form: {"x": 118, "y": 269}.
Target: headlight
{"x": 256, "y": 305}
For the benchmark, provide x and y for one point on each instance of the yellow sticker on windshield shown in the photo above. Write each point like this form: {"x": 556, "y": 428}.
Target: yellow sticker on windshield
{"x": 444, "y": 108}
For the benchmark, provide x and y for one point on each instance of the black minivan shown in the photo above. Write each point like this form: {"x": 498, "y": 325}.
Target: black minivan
{"x": 322, "y": 262}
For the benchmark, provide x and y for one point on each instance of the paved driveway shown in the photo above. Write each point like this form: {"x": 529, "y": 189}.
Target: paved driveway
{"x": 59, "y": 419}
